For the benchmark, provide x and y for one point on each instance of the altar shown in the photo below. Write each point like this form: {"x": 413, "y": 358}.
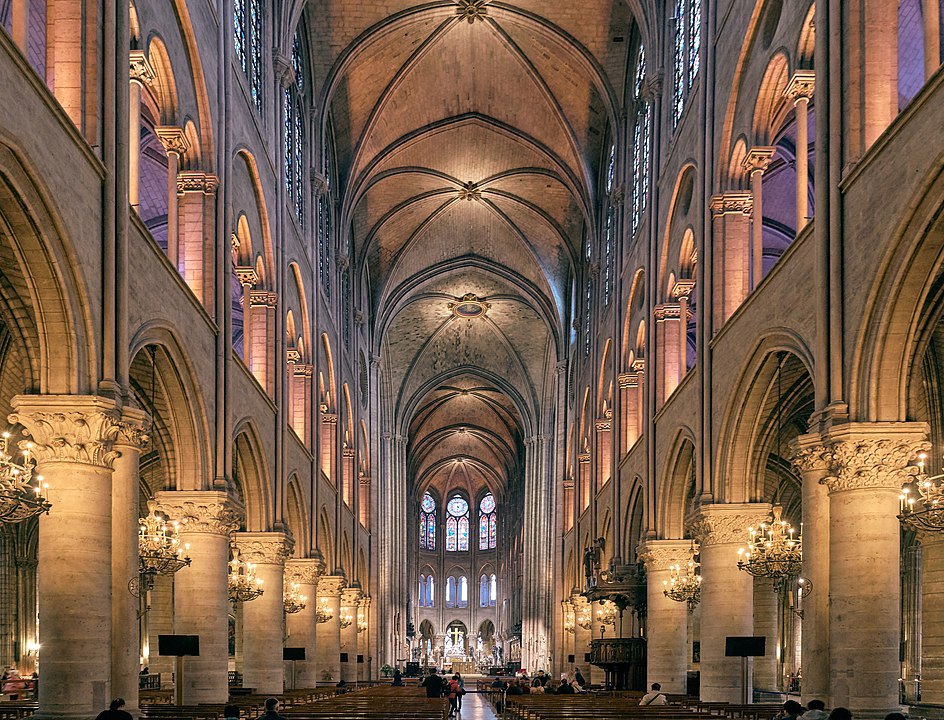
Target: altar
{"x": 464, "y": 667}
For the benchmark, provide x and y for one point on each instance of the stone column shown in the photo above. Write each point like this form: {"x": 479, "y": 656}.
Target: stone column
{"x": 766, "y": 624}
{"x": 195, "y": 231}
{"x": 160, "y": 621}
{"x": 362, "y": 624}
{"x": 932, "y": 617}
{"x": 247, "y": 279}
{"x": 328, "y": 634}
{"x": 141, "y": 74}
{"x": 868, "y": 465}
{"x": 604, "y": 428}
{"x": 300, "y": 626}
{"x": 931, "y": 19}
{"x": 811, "y": 458}
{"x": 756, "y": 163}
{"x": 72, "y": 440}
{"x": 263, "y": 617}
{"x": 583, "y": 477}
{"x": 582, "y": 637}
{"x": 350, "y": 598}
{"x": 175, "y": 145}
{"x": 201, "y": 600}
{"x": 130, "y": 441}
{"x": 666, "y": 619}
{"x": 727, "y": 593}
{"x": 630, "y": 409}
{"x": 800, "y": 90}
{"x": 730, "y": 214}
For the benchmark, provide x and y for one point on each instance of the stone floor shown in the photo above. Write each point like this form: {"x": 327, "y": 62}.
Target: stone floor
{"x": 476, "y": 707}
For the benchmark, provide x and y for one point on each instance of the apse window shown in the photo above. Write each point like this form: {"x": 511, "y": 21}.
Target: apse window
{"x": 457, "y": 524}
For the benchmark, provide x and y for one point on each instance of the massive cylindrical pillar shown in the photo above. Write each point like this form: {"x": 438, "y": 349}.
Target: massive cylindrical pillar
{"x": 72, "y": 440}
{"x": 666, "y": 619}
{"x": 727, "y": 594}
{"x": 201, "y": 601}
{"x": 868, "y": 464}
{"x": 328, "y": 632}
{"x": 350, "y": 598}
{"x": 300, "y": 626}
{"x": 811, "y": 459}
{"x": 125, "y": 645}
{"x": 263, "y": 617}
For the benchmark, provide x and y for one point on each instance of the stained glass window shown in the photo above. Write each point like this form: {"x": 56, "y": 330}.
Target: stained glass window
{"x": 239, "y": 34}
{"x": 586, "y": 316}
{"x": 492, "y": 530}
{"x": 483, "y": 591}
{"x": 487, "y": 513}
{"x": 686, "y": 56}
{"x": 694, "y": 40}
{"x": 428, "y": 522}
{"x": 422, "y": 591}
{"x": 457, "y": 506}
{"x": 293, "y": 135}
{"x": 457, "y": 524}
{"x": 324, "y": 242}
{"x": 463, "y": 594}
{"x": 451, "y": 526}
{"x": 640, "y": 142}
{"x": 678, "y": 64}
{"x": 248, "y": 16}
{"x": 430, "y": 596}
{"x": 493, "y": 591}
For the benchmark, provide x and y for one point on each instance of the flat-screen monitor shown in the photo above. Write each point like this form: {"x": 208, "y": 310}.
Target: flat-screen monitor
{"x": 293, "y": 653}
{"x": 178, "y": 645}
{"x": 744, "y": 646}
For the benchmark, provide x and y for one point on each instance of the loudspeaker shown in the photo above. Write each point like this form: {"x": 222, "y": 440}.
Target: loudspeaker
{"x": 744, "y": 646}
{"x": 360, "y": 658}
{"x": 178, "y": 645}
{"x": 293, "y": 653}
{"x": 586, "y": 657}
{"x": 571, "y": 659}
{"x": 343, "y": 657}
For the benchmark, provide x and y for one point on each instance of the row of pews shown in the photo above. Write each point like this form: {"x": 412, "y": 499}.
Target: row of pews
{"x": 377, "y": 702}
{"x": 618, "y": 706}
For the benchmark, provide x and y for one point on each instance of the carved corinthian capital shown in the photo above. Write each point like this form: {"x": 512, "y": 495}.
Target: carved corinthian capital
{"x": 726, "y": 523}
{"x": 809, "y": 454}
{"x": 331, "y": 585}
{"x": 210, "y": 512}
{"x": 305, "y": 571}
{"x": 663, "y": 554}
{"x": 134, "y": 430}
{"x": 264, "y": 548}
{"x": 873, "y": 458}
{"x": 69, "y": 428}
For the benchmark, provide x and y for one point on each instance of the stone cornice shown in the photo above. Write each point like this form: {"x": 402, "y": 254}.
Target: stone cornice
{"x": 263, "y": 298}
{"x": 78, "y": 429}
{"x": 208, "y": 511}
{"x": 683, "y": 288}
{"x": 662, "y": 554}
{"x": 725, "y": 523}
{"x": 873, "y": 455}
{"x": 583, "y": 458}
{"x": 603, "y": 425}
{"x": 264, "y": 548}
{"x": 737, "y": 202}
{"x": 331, "y": 585}
{"x": 305, "y": 571}
{"x": 190, "y": 181}
{"x": 628, "y": 380}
